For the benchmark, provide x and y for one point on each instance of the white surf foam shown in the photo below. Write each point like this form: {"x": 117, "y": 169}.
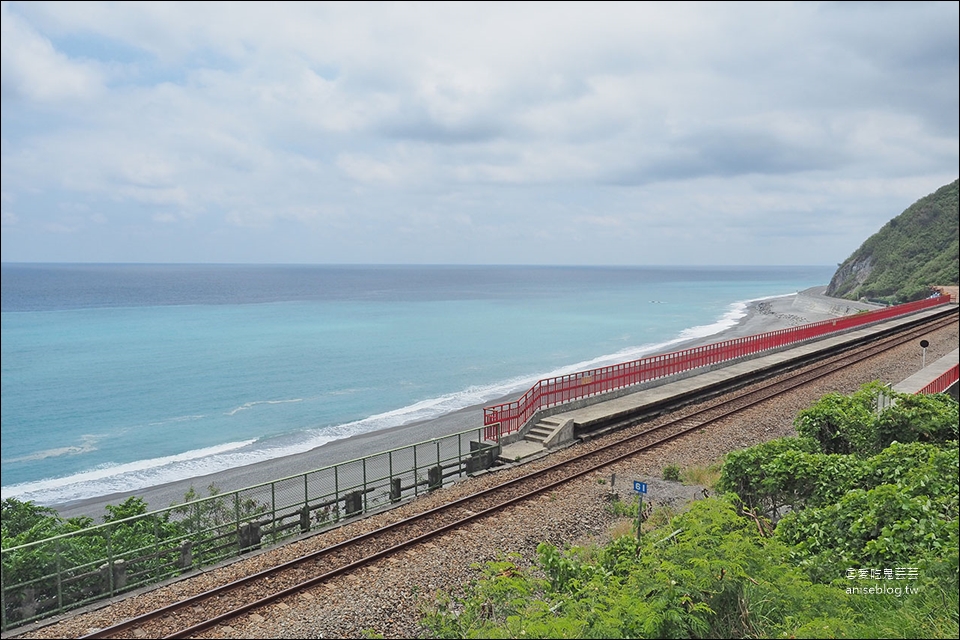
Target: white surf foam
{"x": 111, "y": 478}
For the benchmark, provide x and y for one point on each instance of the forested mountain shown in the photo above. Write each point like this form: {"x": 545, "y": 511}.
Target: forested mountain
{"x": 914, "y": 251}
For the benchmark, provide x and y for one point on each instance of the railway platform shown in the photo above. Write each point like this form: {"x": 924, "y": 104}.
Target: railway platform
{"x": 921, "y": 379}
{"x": 586, "y": 419}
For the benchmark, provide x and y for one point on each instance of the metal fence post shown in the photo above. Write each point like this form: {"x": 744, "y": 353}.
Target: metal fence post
{"x": 364, "y": 464}
{"x": 273, "y": 508}
{"x": 336, "y": 490}
{"x": 59, "y": 577}
{"x": 236, "y": 523}
{"x": 196, "y": 509}
{"x": 156, "y": 540}
{"x": 110, "y": 560}
{"x": 3, "y": 598}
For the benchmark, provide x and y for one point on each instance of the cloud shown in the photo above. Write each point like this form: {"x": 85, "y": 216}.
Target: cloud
{"x": 365, "y": 169}
{"x": 32, "y": 69}
{"x": 729, "y": 152}
{"x": 338, "y": 128}
{"x": 9, "y": 219}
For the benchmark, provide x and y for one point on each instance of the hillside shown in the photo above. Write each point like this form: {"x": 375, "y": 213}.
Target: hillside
{"x": 914, "y": 251}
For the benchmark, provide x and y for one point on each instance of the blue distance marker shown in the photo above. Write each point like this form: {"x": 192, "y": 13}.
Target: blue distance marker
{"x": 640, "y": 488}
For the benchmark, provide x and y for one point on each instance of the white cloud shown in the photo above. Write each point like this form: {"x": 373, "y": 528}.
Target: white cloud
{"x": 165, "y": 218}
{"x": 9, "y": 219}
{"x": 60, "y": 228}
{"x": 33, "y": 69}
{"x": 565, "y": 121}
{"x": 365, "y": 169}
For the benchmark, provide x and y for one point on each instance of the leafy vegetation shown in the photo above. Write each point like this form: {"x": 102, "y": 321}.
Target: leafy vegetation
{"x": 855, "y": 424}
{"x": 47, "y": 569}
{"x": 34, "y": 577}
{"x": 807, "y": 527}
{"x": 914, "y": 251}
{"x": 671, "y": 472}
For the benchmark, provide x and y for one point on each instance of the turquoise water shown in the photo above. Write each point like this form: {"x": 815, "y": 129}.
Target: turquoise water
{"x": 116, "y": 378}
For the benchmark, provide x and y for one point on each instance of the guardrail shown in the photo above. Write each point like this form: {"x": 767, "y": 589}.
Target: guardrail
{"x": 63, "y": 572}
{"x": 509, "y": 417}
{"x": 943, "y": 381}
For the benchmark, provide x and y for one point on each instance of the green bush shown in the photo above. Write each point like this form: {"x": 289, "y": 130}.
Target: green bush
{"x": 771, "y": 476}
{"x": 64, "y": 572}
{"x": 721, "y": 570}
{"x": 919, "y": 418}
{"x": 844, "y": 424}
{"x": 717, "y": 578}
{"x": 854, "y": 425}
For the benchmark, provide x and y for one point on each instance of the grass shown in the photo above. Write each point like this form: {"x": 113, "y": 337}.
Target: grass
{"x": 705, "y": 476}
{"x": 623, "y": 528}
{"x": 660, "y": 516}
{"x": 618, "y": 507}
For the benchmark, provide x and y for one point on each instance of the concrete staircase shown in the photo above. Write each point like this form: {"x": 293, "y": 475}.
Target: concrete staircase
{"x": 549, "y": 431}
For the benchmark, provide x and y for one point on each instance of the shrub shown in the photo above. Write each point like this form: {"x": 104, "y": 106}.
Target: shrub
{"x": 671, "y": 472}
{"x": 919, "y": 418}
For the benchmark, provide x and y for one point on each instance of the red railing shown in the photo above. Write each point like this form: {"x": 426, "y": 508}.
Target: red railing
{"x": 943, "y": 381}
{"x": 506, "y": 418}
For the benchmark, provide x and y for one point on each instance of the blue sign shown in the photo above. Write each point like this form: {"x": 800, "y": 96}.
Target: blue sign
{"x": 639, "y": 487}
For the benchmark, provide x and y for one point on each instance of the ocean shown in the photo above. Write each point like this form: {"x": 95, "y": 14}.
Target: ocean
{"x": 121, "y": 377}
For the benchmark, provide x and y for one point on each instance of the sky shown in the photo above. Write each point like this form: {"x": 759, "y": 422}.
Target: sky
{"x": 542, "y": 133}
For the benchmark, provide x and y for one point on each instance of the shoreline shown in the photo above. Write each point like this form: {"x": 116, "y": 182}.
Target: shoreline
{"x": 768, "y": 314}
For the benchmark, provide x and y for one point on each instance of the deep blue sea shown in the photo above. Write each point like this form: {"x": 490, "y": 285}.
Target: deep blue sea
{"x": 120, "y": 377}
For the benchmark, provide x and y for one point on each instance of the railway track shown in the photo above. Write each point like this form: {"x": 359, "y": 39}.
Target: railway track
{"x": 206, "y": 610}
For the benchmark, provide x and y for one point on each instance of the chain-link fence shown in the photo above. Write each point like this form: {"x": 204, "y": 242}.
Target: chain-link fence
{"x": 60, "y": 573}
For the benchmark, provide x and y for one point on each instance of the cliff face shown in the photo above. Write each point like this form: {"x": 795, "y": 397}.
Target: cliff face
{"x": 850, "y": 275}
{"x": 913, "y": 252}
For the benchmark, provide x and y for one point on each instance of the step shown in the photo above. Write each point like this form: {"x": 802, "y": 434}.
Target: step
{"x": 542, "y": 431}
{"x": 538, "y": 433}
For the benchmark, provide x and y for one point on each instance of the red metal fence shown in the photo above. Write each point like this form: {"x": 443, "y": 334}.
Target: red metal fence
{"x": 943, "y": 381}
{"x": 506, "y": 418}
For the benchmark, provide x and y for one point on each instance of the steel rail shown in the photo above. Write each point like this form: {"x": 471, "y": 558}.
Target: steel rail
{"x": 728, "y": 405}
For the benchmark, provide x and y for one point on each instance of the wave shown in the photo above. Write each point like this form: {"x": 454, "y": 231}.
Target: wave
{"x": 735, "y": 312}
{"x": 139, "y": 475}
{"x": 176, "y": 420}
{"x": 116, "y": 477}
{"x": 250, "y": 405}
{"x": 87, "y": 444}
